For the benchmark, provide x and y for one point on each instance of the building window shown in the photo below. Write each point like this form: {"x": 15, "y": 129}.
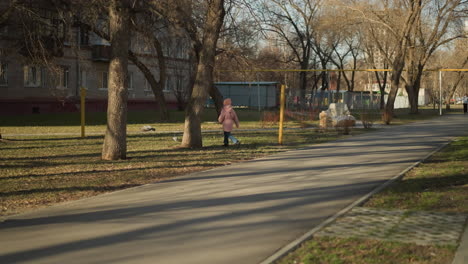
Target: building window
{"x": 3, "y": 73}
{"x": 130, "y": 80}
{"x": 64, "y": 76}
{"x": 178, "y": 84}
{"x": 147, "y": 85}
{"x": 103, "y": 80}
{"x": 147, "y": 89}
{"x": 83, "y": 78}
{"x": 84, "y": 36}
{"x": 32, "y": 76}
{"x": 169, "y": 83}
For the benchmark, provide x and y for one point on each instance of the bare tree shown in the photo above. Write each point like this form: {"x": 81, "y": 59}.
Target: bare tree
{"x": 431, "y": 30}
{"x": 377, "y": 58}
{"x": 238, "y": 47}
{"x": 345, "y": 40}
{"x": 294, "y": 22}
{"x": 202, "y": 22}
{"x": 346, "y": 57}
{"x": 115, "y": 140}
{"x": 415, "y": 37}
{"x": 398, "y": 19}
{"x": 192, "y": 137}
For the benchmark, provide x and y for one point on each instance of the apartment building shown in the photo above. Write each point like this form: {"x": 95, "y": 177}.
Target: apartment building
{"x": 80, "y": 59}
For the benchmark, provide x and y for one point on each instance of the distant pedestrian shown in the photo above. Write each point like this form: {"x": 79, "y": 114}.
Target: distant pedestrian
{"x": 228, "y": 118}
{"x": 465, "y": 103}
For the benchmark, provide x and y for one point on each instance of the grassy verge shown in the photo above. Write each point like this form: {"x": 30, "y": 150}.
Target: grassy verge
{"x": 440, "y": 184}
{"x": 401, "y": 115}
{"x": 328, "y": 250}
{"x": 37, "y": 171}
{"x": 68, "y": 123}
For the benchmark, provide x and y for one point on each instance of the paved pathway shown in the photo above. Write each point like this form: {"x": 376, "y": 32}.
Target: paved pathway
{"x": 241, "y": 213}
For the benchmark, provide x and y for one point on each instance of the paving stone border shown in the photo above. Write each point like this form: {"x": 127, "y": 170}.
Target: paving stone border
{"x": 422, "y": 228}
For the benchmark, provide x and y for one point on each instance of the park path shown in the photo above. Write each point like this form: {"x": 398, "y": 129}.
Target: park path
{"x": 242, "y": 213}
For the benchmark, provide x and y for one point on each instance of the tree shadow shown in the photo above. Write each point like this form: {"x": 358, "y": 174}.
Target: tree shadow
{"x": 69, "y": 189}
{"x": 94, "y": 171}
{"x": 280, "y": 202}
{"x": 40, "y": 138}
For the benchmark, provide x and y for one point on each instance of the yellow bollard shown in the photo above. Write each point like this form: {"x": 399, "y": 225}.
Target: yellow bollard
{"x": 83, "y": 97}
{"x": 282, "y": 103}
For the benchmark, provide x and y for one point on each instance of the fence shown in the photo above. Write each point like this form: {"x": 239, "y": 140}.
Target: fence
{"x": 256, "y": 95}
{"x": 325, "y": 86}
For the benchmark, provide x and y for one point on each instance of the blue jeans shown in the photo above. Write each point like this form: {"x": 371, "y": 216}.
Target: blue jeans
{"x": 227, "y": 136}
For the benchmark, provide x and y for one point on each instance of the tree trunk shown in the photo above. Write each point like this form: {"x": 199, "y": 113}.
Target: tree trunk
{"x": 158, "y": 93}
{"x": 192, "y": 137}
{"x": 194, "y": 60}
{"x": 400, "y": 54}
{"x": 391, "y": 102}
{"x": 353, "y": 74}
{"x": 325, "y": 83}
{"x": 397, "y": 67}
{"x": 303, "y": 83}
{"x": 338, "y": 81}
{"x": 115, "y": 140}
{"x": 382, "y": 86}
{"x": 414, "y": 109}
{"x": 413, "y": 86}
{"x": 158, "y": 89}
{"x": 217, "y": 98}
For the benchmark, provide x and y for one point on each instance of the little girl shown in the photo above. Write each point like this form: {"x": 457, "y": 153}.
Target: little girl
{"x": 228, "y": 118}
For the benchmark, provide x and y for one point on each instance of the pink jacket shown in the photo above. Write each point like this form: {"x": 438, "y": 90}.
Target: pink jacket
{"x": 228, "y": 118}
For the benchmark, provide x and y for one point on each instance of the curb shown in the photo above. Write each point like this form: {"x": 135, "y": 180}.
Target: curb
{"x": 296, "y": 243}
{"x": 461, "y": 255}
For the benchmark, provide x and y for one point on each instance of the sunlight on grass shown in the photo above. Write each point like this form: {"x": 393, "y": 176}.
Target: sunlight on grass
{"x": 36, "y": 171}
{"x": 69, "y": 123}
{"x": 362, "y": 251}
{"x": 440, "y": 184}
